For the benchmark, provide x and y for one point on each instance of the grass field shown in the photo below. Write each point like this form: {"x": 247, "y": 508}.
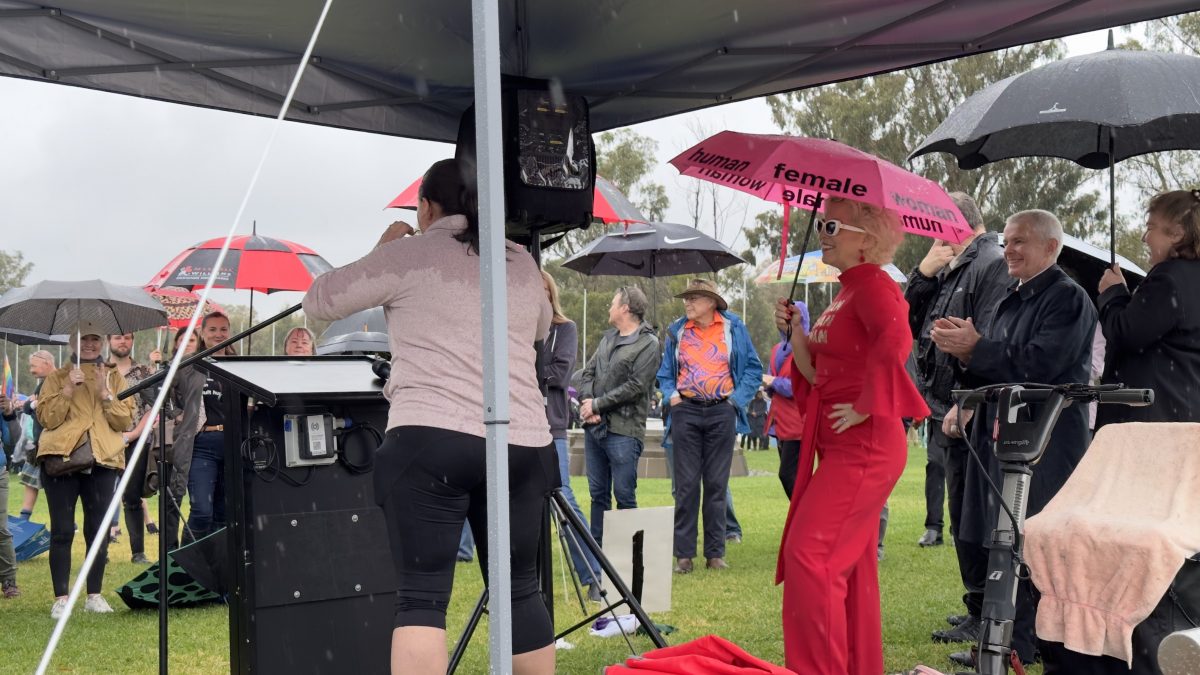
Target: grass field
{"x": 919, "y": 588}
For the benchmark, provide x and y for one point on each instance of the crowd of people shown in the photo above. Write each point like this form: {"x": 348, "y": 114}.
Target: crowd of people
{"x": 73, "y": 413}
{"x": 837, "y": 395}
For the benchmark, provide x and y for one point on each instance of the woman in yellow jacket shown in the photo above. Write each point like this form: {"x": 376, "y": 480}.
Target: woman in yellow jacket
{"x": 78, "y": 406}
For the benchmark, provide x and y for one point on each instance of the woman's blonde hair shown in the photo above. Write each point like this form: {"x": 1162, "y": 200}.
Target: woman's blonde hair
{"x": 558, "y": 317}
{"x": 882, "y": 225}
{"x": 1181, "y": 208}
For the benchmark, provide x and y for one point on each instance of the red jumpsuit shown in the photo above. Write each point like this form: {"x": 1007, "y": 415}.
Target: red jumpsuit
{"x": 827, "y": 559}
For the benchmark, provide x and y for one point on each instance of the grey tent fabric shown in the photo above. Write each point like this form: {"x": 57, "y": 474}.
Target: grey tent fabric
{"x": 55, "y": 307}
{"x": 404, "y": 67}
{"x": 1148, "y": 101}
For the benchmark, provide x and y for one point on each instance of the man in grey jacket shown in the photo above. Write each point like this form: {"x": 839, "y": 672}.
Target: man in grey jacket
{"x": 614, "y": 392}
{"x": 963, "y": 280}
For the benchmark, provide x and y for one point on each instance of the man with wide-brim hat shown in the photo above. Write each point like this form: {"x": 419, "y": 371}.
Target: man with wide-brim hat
{"x": 710, "y": 371}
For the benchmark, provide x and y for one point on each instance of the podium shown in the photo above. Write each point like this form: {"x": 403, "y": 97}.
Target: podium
{"x": 312, "y": 582}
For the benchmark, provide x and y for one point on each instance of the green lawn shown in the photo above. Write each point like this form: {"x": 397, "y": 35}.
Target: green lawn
{"x": 920, "y": 587}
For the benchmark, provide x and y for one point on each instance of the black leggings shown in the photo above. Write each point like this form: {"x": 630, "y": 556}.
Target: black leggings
{"x": 95, "y": 490}
{"x": 428, "y": 480}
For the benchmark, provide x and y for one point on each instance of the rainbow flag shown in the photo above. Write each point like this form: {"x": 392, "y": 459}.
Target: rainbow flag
{"x": 10, "y": 388}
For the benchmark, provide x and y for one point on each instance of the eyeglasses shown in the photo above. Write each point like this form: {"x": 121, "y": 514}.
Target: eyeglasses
{"x": 831, "y": 226}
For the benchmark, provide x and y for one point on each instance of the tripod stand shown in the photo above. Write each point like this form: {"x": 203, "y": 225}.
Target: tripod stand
{"x": 1019, "y": 445}
{"x": 576, "y": 528}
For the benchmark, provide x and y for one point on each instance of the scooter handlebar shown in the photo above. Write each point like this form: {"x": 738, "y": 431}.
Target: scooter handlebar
{"x": 968, "y": 398}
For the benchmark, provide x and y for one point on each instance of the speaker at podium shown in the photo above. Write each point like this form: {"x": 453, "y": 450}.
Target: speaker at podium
{"x": 313, "y": 583}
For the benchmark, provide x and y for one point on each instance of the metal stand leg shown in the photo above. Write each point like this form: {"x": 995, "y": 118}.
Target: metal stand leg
{"x": 558, "y": 504}
{"x": 163, "y": 495}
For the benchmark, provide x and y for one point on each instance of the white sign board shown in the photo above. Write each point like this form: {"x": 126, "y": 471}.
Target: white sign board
{"x": 647, "y": 534}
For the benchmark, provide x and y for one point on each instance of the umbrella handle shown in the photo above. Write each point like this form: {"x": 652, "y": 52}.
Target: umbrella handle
{"x": 812, "y": 218}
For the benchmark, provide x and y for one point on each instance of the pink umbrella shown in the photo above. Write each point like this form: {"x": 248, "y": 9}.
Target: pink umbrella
{"x": 798, "y": 171}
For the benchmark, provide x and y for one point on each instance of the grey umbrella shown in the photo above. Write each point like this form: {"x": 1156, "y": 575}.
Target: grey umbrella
{"x": 25, "y": 338}
{"x": 1087, "y": 264}
{"x": 1095, "y": 110}
{"x": 366, "y": 321}
{"x": 55, "y": 307}
{"x": 359, "y": 341}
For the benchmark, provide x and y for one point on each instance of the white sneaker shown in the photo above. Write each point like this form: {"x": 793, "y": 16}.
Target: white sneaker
{"x": 97, "y": 604}
{"x": 57, "y": 609}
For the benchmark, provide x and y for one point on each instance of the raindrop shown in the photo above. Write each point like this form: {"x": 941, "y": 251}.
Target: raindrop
{"x": 735, "y": 16}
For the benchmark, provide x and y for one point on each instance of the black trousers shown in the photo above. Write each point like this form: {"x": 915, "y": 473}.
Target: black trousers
{"x": 972, "y": 558}
{"x": 789, "y": 459}
{"x": 132, "y": 500}
{"x": 702, "y": 439}
{"x": 935, "y": 476}
{"x": 428, "y": 481}
{"x": 94, "y": 490}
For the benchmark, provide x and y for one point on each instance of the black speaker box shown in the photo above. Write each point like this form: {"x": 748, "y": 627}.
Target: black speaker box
{"x": 549, "y": 158}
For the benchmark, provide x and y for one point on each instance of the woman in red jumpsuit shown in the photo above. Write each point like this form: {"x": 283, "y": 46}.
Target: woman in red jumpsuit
{"x": 850, "y": 379}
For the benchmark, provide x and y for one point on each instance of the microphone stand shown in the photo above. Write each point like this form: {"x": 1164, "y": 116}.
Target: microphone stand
{"x": 198, "y": 356}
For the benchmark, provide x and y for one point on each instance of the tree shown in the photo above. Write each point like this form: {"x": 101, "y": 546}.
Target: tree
{"x": 626, "y": 158}
{"x": 1162, "y": 171}
{"x": 13, "y": 270}
{"x": 888, "y": 115}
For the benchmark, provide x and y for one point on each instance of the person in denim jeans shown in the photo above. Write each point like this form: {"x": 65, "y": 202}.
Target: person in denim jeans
{"x": 206, "y": 477}
{"x": 556, "y": 360}
{"x": 614, "y": 392}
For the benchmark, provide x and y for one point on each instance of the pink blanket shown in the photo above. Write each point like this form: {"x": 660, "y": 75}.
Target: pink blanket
{"x": 1104, "y": 551}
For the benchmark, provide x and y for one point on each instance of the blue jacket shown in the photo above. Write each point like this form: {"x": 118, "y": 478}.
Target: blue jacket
{"x": 743, "y": 363}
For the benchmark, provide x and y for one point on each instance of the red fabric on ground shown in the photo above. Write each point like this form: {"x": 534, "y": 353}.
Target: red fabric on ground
{"x": 708, "y": 655}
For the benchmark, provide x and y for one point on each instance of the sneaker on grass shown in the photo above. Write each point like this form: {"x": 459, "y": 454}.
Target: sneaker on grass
{"x": 57, "y": 609}
{"x": 97, "y": 604}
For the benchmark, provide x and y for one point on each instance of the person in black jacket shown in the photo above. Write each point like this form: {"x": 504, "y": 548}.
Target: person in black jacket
{"x": 1153, "y": 334}
{"x": 556, "y": 362}
{"x": 963, "y": 280}
{"x": 1042, "y": 332}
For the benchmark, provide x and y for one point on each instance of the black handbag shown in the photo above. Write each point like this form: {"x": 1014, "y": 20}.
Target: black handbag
{"x": 80, "y": 459}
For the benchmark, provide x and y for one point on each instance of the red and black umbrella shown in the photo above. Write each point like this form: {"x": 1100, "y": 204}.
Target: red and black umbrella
{"x": 609, "y": 204}
{"x": 253, "y": 262}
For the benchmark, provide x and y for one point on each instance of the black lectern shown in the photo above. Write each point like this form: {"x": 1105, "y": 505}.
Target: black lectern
{"x": 313, "y": 586}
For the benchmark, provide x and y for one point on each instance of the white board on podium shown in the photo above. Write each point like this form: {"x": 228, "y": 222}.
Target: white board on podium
{"x": 647, "y": 533}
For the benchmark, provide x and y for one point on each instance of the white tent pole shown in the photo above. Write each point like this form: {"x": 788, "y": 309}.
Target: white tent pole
{"x": 585, "y": 351}
{"x": 485, "y": 22}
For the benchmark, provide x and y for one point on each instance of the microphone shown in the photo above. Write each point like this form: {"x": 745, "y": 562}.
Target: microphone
{"x": 382, "y": 369}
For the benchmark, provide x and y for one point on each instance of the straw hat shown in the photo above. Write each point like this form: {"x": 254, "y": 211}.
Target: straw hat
{"x": 704, "y": 287}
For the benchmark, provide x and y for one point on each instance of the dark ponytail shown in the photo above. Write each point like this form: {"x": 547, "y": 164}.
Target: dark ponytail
{"x": 451, "y": 185}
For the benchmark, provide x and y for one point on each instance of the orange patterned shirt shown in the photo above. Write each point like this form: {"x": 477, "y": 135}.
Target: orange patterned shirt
{"x": 704, "y": 361}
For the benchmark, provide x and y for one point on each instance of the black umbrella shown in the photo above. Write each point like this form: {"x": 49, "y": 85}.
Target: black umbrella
{"x": 1086, "y": 263}
{"x": 55, "y": 307}
{"x": 357, "y": 342}
{"x": 1095, "y": 110}
{"x": 653, "y": 250}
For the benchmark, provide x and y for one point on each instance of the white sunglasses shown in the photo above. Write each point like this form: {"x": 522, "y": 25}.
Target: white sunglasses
{"x": 831, "y": 226}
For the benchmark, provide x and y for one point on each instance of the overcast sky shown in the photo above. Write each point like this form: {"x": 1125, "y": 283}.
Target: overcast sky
{"x": 110, "y": 186}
